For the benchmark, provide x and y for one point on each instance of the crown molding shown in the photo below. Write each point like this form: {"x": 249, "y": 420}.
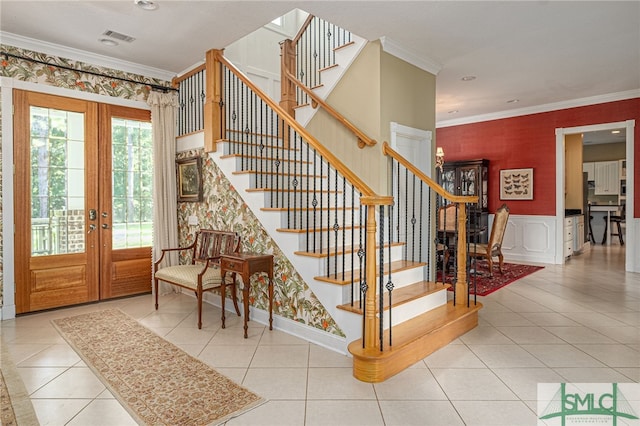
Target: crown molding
{"x": 395, "y": 49}
{"x": 555, "y": 106}
{"x": 83, "y": 56}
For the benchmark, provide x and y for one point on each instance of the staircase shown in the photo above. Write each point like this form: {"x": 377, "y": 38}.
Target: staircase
{"x": 347, "y": 243}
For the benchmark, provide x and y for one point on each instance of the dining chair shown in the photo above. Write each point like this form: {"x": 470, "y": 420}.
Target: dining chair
{"x": 494, "y": 247}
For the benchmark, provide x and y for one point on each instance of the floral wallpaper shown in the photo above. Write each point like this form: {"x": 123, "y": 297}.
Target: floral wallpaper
{"x": 1, "y": 214}
{"x": 45, "y": 71}
{"x": 224, "y": 209}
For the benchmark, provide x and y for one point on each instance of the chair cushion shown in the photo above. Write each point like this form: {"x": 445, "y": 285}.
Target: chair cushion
{"x": 187, "y": 276}
{"x": 480, "y": 249}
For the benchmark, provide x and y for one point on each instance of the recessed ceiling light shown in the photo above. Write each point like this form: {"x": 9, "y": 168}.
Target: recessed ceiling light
{"x": 615, "y": 132}
{"x": 146, "y": 4}
{"x": 513, "y": 101}
{"x": 108, "y": 42}
{"x": 468, "y": 78}
{"x": 453, "y": 111}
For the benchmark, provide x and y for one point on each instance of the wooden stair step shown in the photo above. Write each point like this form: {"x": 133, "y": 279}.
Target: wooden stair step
{"x": 413, "y": 340}
{"x": 349, "y": 276}
{"x": 304, "y": 209}
{"x": 250, "y": 172}
{"x": 403, "y": 295}
{"x": 312, "y": 230}
{"x": 258, "y": 157}
{"x": 242, "y": 132}
{"x": 327, "y": 68}
{"x": 341, "y": 250}
{"x": 257, "y": 145}
{"x": 301, "y": 190}
{"x": 343, "y": 46}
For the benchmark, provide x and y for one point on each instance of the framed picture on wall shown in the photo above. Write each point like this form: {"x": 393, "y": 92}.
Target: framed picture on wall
{"x": 189, "y": 179}
{"x": 516, "y": 184}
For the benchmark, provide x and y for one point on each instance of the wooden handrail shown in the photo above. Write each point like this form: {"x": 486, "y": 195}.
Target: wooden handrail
{"x": 358, "y": 183}
{"x": 303, "y": 28}
{"x": 388, "y": 151}
{"x": 461, "y": 200}
{"x": 363, "y": 140}
{"x": 177, "y": 80}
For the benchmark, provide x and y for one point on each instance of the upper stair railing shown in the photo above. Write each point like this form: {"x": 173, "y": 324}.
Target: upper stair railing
{"x": 302, "y": 59}
{"x": 191, "y": 98}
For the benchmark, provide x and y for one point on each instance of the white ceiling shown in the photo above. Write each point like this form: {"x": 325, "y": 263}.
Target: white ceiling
{"x": 546, "y": 54}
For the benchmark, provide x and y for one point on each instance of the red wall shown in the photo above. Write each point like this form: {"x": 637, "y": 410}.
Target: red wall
{"x": 530, "y": 141}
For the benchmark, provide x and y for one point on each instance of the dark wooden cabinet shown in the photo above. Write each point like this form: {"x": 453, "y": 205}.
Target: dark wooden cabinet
{"x": 470, "y": 177}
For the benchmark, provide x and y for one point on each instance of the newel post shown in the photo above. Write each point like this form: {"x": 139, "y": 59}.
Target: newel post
{"x": 287, "y": 65}
{"x": 371, "y": 319}
{"x": 213, "y": 117}
{"x": 461, "y": 284}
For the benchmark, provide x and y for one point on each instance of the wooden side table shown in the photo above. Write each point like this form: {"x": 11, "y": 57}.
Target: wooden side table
{"x": 247, "y": 264}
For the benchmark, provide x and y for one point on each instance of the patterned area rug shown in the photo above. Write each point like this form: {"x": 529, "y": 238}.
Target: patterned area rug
{"x": 15, "y": 404}
{"x": 157, "y": 382}
{"x": 486, "y": 285}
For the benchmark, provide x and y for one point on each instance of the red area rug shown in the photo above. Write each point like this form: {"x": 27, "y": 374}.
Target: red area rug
{"x": 484, "y": 284}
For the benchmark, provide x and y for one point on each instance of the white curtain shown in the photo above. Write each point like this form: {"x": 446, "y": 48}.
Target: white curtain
{"x": 165, "y": 209}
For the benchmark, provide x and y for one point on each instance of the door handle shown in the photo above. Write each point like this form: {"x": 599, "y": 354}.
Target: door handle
{"x": 105, "y": 226}
{"x": 92, "y": 227}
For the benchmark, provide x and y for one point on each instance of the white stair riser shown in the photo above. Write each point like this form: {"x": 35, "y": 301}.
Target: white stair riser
{"x": 330, "y": 262}
{"x": 406, "y": 311}
{"x": 303, "y": 199}
{"x": 400, "y": 279}
{"x": 296, "y": 218}
{"x": 267, "y": 180}
{"x": 322, "y": 240}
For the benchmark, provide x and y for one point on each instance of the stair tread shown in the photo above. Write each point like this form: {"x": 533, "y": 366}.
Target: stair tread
{"x": 403, "y": 295}
{"x": 249, "y": 172}
{"x": 302, "y": 190}
{"x": 396, "y": 266}
{"x": 304, "y": 230}
{"x": 351, "y": 43}
{"x": 406, "y": 333}
{"x": 304, "y": 209}
{"x": 281, "y": 148}
{"x": 288, "y": 160}
{"x": 327, "y": 68}
{"x": 333, "y": 250}
{"x": 252, "y": 133}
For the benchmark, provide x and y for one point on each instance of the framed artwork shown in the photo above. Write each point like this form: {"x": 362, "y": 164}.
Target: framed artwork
{"x": 516, "y": 184}
{"x": 189, "y": 179}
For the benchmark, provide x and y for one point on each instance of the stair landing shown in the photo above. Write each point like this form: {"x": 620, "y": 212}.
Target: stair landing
{"x": 413, "y": 340}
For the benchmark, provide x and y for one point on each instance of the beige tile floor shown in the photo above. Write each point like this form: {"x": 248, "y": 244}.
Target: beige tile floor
{"x": 574, "y": 323}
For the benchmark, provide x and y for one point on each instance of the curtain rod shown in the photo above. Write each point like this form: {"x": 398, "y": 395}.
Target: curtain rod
{"x": 164, "y": 89}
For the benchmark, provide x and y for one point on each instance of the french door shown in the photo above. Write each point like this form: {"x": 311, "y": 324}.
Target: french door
{"x": 82, "y": 197}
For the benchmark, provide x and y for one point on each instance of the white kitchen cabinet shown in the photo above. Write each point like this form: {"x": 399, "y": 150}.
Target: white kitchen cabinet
{"x": 607, "y": 178}
{"x": 590, "y": 169}
{"x": 578, "y": 233}
{"x": 568, "y": 236}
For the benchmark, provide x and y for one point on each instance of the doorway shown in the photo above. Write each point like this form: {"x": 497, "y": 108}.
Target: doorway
{"x": 82, "y": 201}
{"x": 629, "y": 126}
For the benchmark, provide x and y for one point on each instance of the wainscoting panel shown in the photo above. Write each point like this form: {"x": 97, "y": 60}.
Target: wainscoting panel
{"x": 529, "y": 239}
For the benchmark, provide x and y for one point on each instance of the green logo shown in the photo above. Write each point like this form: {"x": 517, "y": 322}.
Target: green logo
{"x": 588, "y": 403}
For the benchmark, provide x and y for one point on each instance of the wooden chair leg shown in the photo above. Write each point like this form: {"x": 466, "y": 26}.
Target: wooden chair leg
{"x": 490, "y": 261}
{"x": 604, "y": 237}
{"x": 155, "y": 287}
{"x": 500, "y": 262}
{"x": 199, "y": 293}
